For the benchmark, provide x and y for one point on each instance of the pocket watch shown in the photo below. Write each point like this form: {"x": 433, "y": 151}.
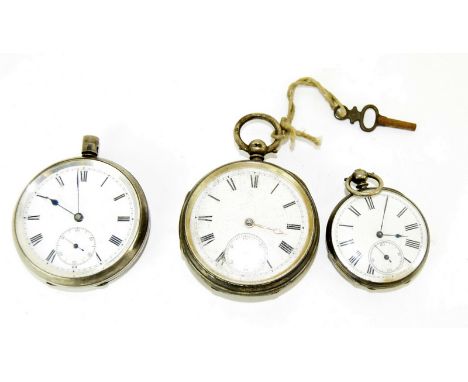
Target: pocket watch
{"x": 376, "y": 236}
{"x": 82, "y": 221}
{"x": 249, "y": 227}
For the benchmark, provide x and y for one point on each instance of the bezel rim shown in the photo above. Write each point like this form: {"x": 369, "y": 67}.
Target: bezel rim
{"x": 123, "y": 264}
{"x": 218, "y": 283}
{"x": 353, "y": 278}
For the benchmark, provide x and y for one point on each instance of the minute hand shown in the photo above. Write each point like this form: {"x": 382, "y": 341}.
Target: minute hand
{"x": 383, "y": 216}
{"x": 78, "y": 189}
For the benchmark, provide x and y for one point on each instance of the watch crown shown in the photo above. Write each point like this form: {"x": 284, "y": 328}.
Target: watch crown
{"x": 257, "y": 150}
{"x": 360, "y": 178}
{"x": 90, "y": 146}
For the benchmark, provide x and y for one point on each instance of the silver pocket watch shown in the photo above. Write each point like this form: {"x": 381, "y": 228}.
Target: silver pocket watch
{"x": 82, "y": 221}
{"x": 376, "y": 236}
{"x": 249, "y": 227}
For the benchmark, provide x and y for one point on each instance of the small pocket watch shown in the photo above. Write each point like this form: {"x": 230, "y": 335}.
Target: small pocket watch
{"x": 249, "y": 227}
{"x": 376, "y": 236}
{"x": 82, "y": 221}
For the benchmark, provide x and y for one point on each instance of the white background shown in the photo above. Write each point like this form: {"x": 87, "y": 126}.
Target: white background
{"x": 162, "y": 85}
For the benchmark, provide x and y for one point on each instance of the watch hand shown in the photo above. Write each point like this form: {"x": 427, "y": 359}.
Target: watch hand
{"x": 380, "y": 250}
{"x": 55, "y": 202}
{"x": 386, "y": 257}
{"x": 396, "y": 235}
{"x": 251, "y": 223}
{"x": 78, "y": 190}
{"x": 66, "y": 239}
{"x": 74, "y": 244}
{"x": 383, "y": 216}
{"x": 275, "y": 230}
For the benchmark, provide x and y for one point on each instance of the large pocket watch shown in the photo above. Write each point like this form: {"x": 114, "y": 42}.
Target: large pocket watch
{"x": 82, "y": 221}
{"x": 376, "y": 236}
{"x": 249, "y": 227}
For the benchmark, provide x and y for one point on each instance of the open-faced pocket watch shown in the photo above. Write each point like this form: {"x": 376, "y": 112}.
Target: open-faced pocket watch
{"x": 82, "y": 221}
{"x": 249, "y": 227}
{"x": 376, "y": 236}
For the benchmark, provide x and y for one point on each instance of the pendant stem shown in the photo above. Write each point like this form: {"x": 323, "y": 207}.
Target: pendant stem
{"x": 90, "y": 146}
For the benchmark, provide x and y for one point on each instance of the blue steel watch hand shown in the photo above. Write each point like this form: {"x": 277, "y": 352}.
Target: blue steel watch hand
{"x": 55, "y": 202}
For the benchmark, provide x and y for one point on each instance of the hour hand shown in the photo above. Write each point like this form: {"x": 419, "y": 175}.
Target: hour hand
{"x": 397, "y": 235}
{"x": 252, "y": 223}
{"x": 55, "y": 202}
{"x": 274, "y": 230}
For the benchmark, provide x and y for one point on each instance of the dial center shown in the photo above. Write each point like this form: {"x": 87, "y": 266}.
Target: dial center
{"x": 249, "y": 222}
{"x": 78, "y": 217}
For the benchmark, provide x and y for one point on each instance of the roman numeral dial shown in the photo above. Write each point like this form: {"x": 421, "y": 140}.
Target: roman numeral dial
{"x": 77, "y": 219}
{"x": 248, "y": 224}
{"x": 380, "y": 239}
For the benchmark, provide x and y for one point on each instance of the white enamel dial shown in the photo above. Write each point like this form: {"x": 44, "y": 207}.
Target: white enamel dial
{"x": 249, "y": 223}
{"x": 77, "y": 218}
{"x": 381, "y": 238}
